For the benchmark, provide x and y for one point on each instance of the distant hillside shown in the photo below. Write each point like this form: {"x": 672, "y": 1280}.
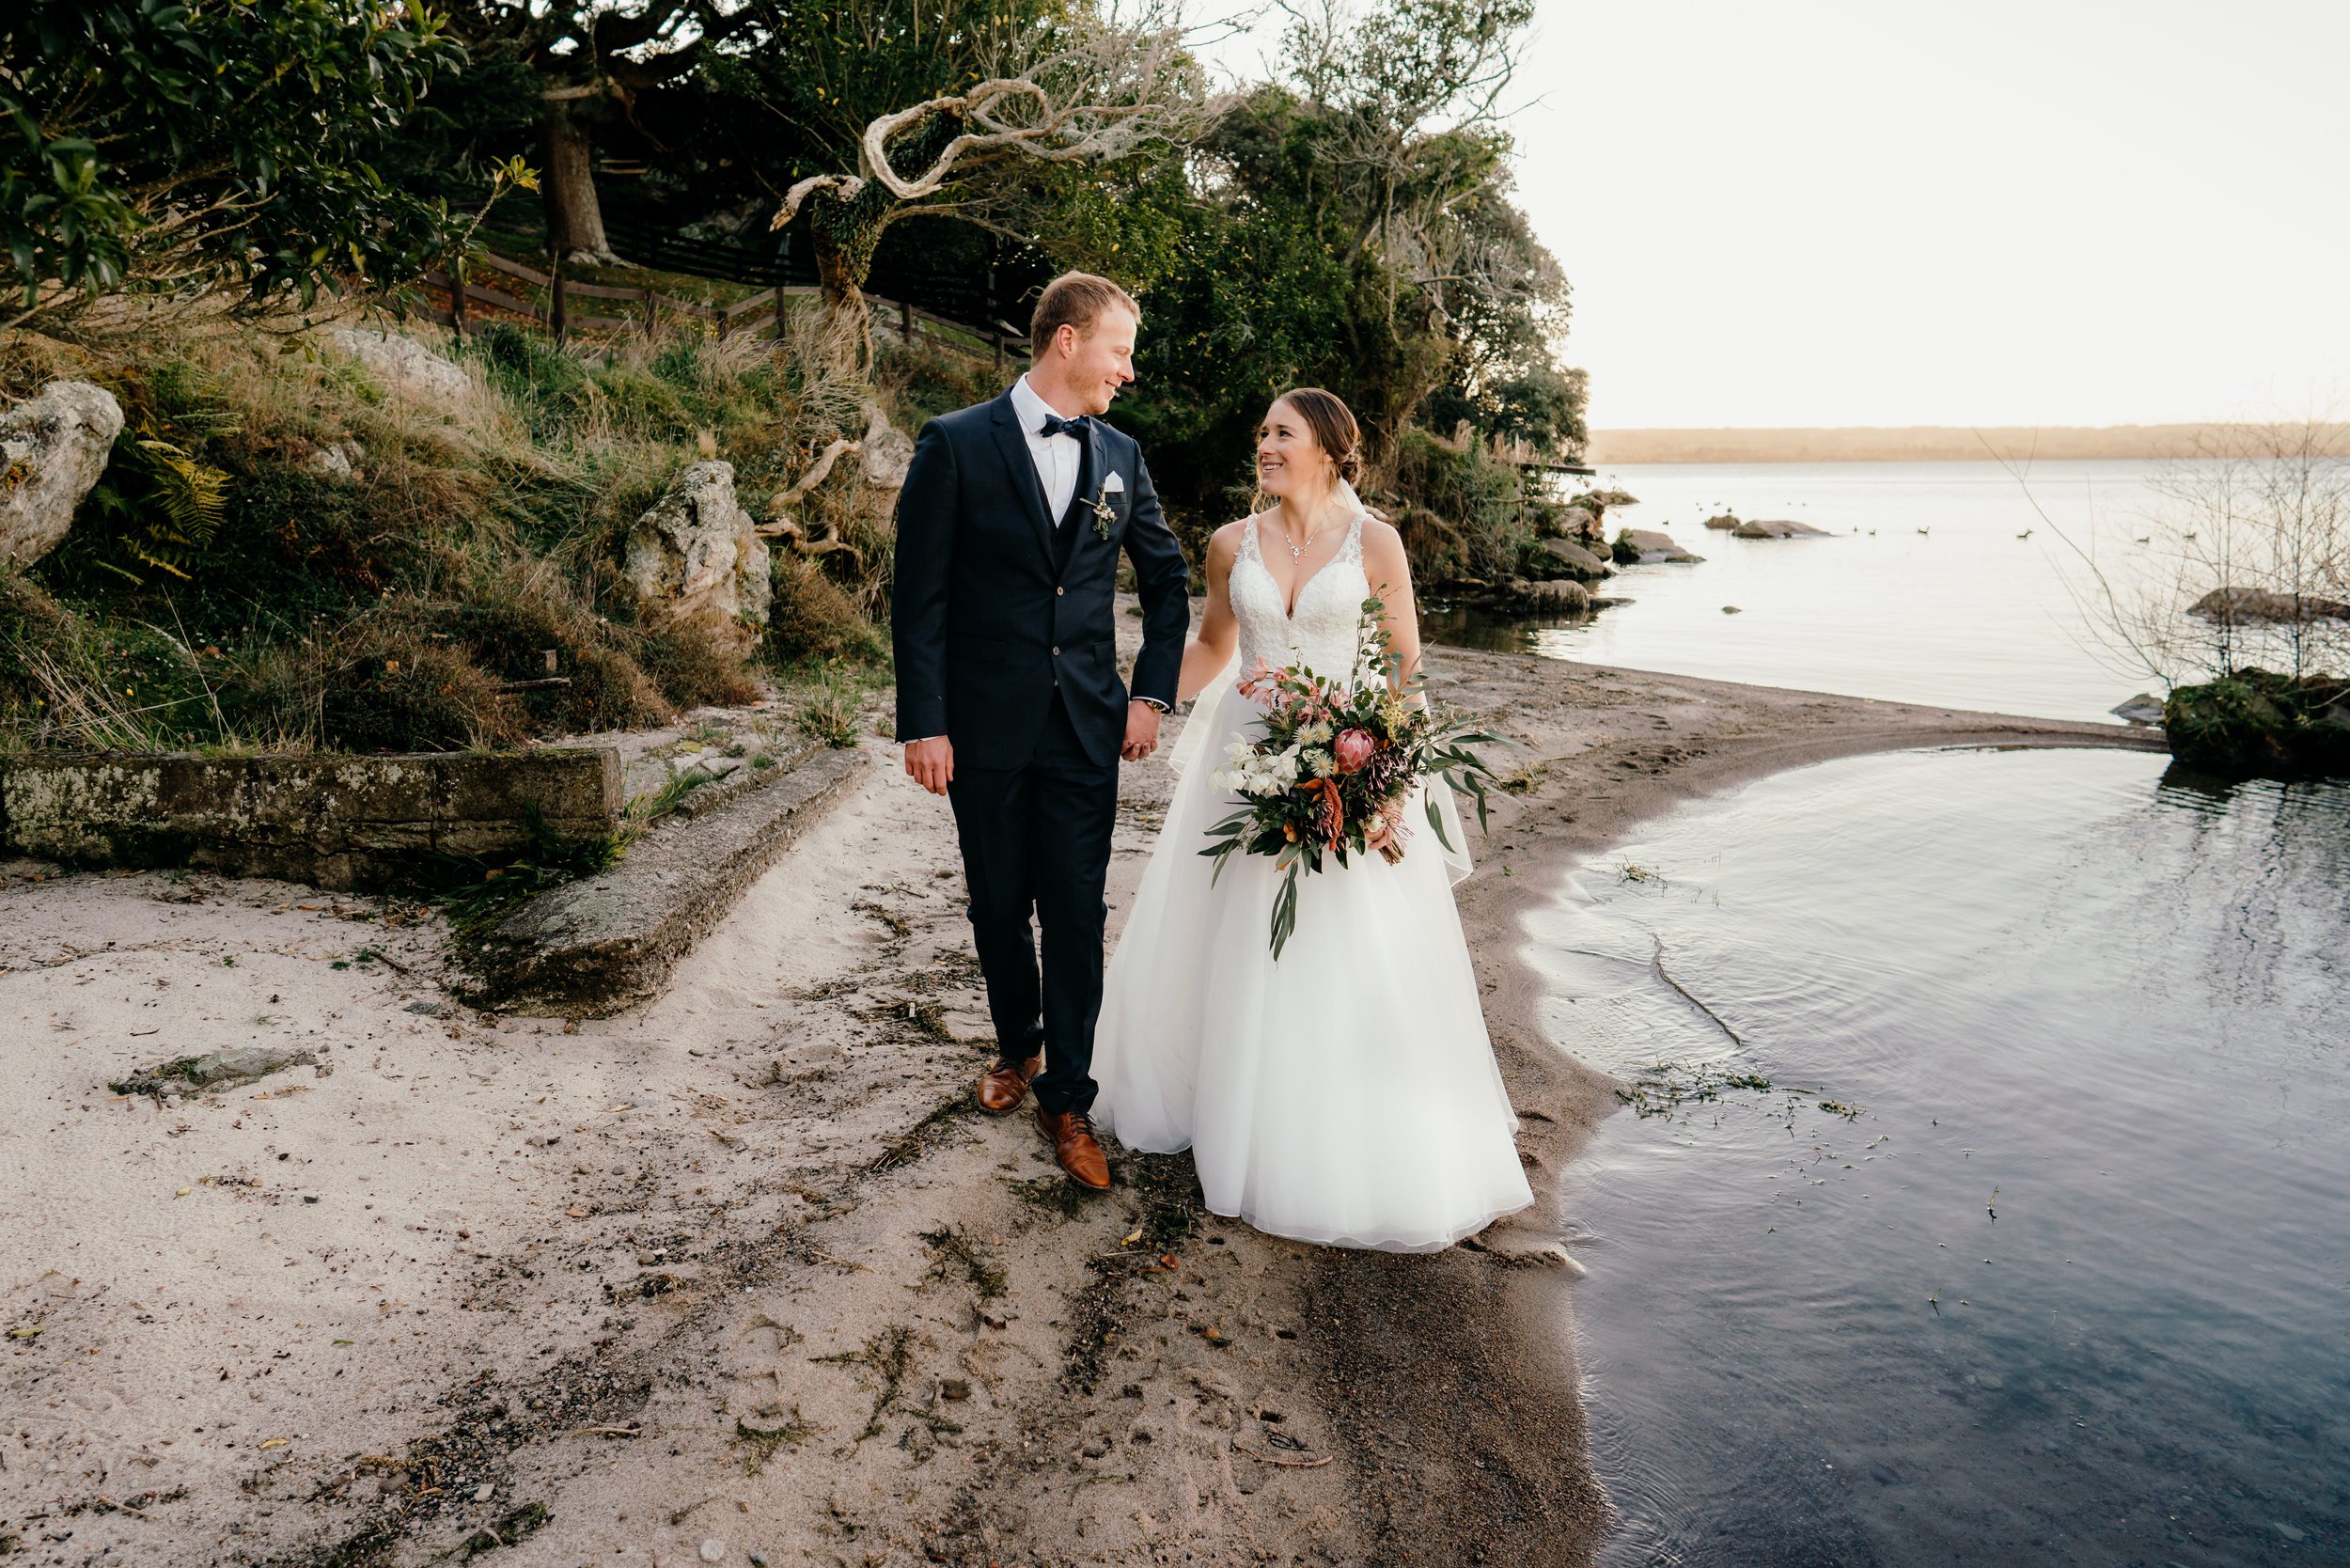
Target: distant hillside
{"x": 1910, "y": 444}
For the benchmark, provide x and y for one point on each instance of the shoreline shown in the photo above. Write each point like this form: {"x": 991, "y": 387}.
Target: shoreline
{"x": 1670, "y": 740}
{"x": 738, "y": 1265}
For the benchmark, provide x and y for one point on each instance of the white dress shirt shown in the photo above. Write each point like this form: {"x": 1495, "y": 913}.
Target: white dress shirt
{"x": 1057, "y": 456}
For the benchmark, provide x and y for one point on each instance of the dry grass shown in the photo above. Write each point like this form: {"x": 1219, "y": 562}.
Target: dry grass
{"x": 461, "y": 587}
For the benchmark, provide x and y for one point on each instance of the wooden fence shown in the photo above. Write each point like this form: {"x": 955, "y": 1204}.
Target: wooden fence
{"x": 545, "y": 300}
{"x": 550, "y": 297}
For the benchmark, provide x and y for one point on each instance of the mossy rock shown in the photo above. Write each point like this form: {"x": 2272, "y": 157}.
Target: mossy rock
{"x": 2260, "y": 723}
{"x": 1555, "y": 558}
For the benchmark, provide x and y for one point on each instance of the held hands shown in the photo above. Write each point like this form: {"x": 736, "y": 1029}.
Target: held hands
{"x": 1142, "y": 731}
{"x": 931, "y": 763}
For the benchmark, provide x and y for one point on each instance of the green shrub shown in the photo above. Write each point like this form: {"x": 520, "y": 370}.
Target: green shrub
{"x": 830, "y": 715}
{"x": 1457, "y": 509}
{"x": 930, "y": 384}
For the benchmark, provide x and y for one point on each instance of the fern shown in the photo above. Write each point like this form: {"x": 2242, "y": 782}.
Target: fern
{"x": 186, "y": 500}
{"x": 164, "y": 502}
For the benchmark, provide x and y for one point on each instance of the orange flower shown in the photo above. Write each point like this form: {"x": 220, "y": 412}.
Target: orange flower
{"x": 1329, "y": 810}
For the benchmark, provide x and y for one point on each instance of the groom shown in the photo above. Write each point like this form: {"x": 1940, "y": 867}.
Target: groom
{"x": 1009, "y": 697}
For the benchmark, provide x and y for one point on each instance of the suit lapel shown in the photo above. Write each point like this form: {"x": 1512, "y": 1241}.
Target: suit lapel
{"x": 1091, "y": 476}
{"x": 1078, "y": 519}
{"x": 1012, "y": 443}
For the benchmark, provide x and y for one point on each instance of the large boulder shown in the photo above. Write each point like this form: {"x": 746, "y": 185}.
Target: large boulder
{"x": 402, "y": 364}
{"x": 53, "y": 447}
{"x": 1647, "y": 546}
{"x": 886, "y": 451}
{"x": 2232, "y": 605}
{"x": 1553, "y": 558}
{"x": 697, "y": 557}
{"x": 1773, "y": 528}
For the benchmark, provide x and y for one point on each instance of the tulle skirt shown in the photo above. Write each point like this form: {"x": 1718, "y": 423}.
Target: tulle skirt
{"x": 1345, "y": 1094}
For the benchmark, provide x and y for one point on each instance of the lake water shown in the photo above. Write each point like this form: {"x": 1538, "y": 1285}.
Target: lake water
{"x": 1964, "y": 614}
{"x": 2062, "y": 1275}
{"x": 1988, "y": 1198}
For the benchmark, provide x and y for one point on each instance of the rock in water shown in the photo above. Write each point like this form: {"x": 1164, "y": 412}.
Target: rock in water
{"x": 886, "y": 451}
{"x": 2266, "y": 604}
{"x": 1645, "y": 547}
{"x": 697, "y": 557}
{"x": 2257, "y": 723}
{"x": 2145, "y": 707}
{"x": 1725, "y": 520}
{"x": 402, "y": 364}
{"x": 53, "y": 447}
{"x": 1559, "y": 595}
{"x": 1775, "y": 528}
{"x": 1563, "y": 557}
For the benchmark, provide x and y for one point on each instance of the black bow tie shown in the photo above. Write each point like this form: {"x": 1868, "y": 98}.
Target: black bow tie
{"x": 1054, "y": 425}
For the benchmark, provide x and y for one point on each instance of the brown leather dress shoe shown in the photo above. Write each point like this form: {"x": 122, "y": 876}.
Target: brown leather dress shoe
{"x": 1003, "y": 1086}
{"x": 1076, "y": 1148}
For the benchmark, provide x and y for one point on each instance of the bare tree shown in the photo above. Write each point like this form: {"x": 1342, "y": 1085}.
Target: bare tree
{"x": 1091, "y": 90}
{"x": 2245, "y": 562}
{"x": 2260, "y": 521}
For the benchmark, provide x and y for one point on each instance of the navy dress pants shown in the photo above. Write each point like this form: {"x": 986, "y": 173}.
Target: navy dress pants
{"x": 1036, "y": 842}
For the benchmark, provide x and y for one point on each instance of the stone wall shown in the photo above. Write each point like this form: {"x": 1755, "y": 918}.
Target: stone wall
{"x": 336, "y": 822}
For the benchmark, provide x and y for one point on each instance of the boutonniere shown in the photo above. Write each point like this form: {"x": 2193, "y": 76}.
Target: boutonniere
{"x": 1104, "y": 517}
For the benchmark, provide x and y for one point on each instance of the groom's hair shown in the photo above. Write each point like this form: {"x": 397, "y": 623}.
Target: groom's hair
{"x": 1077, "y": 299}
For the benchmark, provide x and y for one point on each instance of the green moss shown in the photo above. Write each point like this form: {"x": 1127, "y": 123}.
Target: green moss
{"x": 2258, "y": 723}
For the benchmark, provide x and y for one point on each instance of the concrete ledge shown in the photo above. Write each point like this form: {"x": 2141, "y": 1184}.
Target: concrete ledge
{"x": 336, "y": 822}
{"x": 594, "y": 946}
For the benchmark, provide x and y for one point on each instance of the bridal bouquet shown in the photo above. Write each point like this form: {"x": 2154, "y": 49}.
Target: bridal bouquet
{"x": 1333, "y": 769}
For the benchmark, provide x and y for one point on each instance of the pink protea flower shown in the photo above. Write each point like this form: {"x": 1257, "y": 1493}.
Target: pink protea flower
{"x": 1352, "y": 748}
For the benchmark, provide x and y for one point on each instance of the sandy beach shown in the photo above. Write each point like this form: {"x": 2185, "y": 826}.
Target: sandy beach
{"x": 738, "y": 1276}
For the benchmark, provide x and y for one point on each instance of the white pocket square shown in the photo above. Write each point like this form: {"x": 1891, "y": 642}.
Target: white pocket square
{"x": 1113, "y": 485}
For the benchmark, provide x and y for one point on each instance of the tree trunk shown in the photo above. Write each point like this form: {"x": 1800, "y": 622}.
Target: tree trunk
{"x": 847, "y": 332}
{"x": 567, "y": 188}
{"x": 845, "y": 234}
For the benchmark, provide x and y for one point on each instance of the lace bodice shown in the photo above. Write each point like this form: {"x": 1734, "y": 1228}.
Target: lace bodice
{"x": 1322, "y": 631}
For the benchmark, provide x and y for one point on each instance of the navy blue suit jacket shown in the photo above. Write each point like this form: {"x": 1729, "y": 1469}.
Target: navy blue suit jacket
{"x": 991, "y": 608}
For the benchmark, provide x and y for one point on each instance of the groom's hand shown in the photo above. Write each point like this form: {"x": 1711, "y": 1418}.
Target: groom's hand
{"x": 931, "y": 763}
{"x": 1142, "y": 731}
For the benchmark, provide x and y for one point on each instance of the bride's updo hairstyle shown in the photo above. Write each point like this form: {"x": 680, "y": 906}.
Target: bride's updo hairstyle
{"x": 1333, "y": 424}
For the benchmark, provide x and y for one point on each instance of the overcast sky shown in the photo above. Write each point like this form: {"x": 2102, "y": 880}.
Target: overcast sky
{"x": 1945, "y": 211}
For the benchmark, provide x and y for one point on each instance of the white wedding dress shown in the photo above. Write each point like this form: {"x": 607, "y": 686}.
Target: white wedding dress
{"x": 1345, "y": 1094}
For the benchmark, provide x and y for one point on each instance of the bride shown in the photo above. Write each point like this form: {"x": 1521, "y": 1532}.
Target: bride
{"x": 1346, "y": 1093}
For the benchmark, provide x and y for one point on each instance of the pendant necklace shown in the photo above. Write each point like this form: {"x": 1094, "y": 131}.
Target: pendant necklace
{"x": 1297, "y": 552}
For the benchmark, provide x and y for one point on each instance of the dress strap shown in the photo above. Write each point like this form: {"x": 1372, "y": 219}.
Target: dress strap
{"x": 1353, "y": 549}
